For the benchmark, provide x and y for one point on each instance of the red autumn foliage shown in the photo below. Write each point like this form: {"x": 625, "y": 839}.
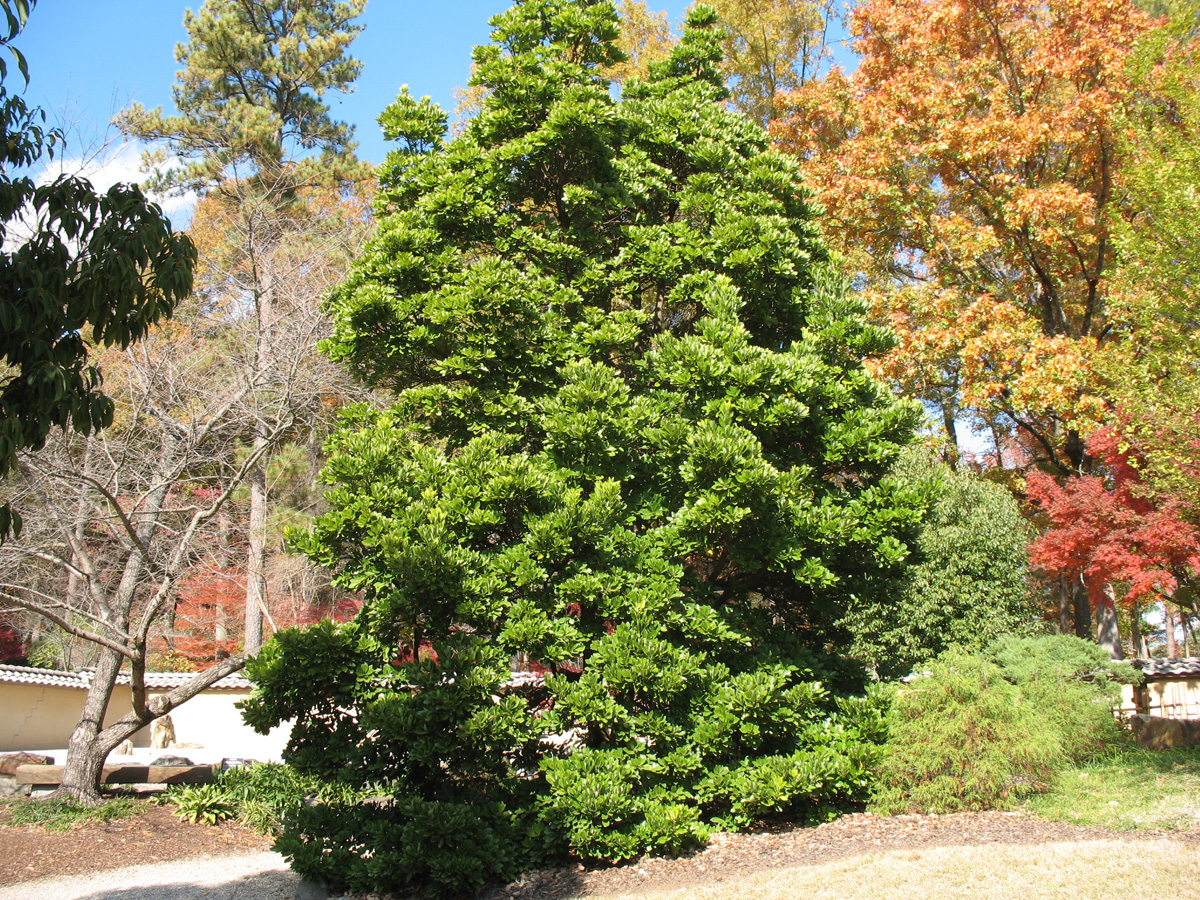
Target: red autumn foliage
{"x": 405, "y": 654}
{"x": 209, "y": 614}
{"x": 12, "y": 647}
{"x": 1109, "y": 530}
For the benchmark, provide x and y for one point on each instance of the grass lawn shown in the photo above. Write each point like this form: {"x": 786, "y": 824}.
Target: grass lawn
{"x": 58, "y": 816}
{"x": 1131, "y": 790}
{"x": 1091, "y": 870}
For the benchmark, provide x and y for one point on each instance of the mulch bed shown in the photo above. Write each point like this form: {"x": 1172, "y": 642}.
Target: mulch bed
{"x": 30, "y": 852}
{"x": 733, "y": 857}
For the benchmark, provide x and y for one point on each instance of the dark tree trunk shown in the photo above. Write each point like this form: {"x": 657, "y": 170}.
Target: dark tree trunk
{"x": 1169, "y": 619}
{"x": 1065, "y": 615}
{"x": 1076, "y": 453}
{"x": 85, "y": 753}
{"x": 952, "y": 452}
{"x": 1108, "y": 635}
{"x": 1083, "y": 611}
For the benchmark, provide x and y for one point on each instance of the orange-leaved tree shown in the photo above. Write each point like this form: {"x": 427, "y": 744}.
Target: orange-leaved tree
{"x": 1155, "y": 300}
{"x": 968, "y": 170}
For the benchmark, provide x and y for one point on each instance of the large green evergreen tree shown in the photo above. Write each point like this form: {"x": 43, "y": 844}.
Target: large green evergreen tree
{"x": 633, "y": 445}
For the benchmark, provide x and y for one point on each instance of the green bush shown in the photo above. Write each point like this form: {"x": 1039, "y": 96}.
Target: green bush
{"x": 980, "y": 731}
{"x": 962, "y": 737}
{"x": 1073, "y": 684}
{"x": 447, "y": 849}
{"x": 968, "y": 582}
{"x": 261, "y": 796}
{"x": 634, "y": 441}
{"x": 207, "y": 803}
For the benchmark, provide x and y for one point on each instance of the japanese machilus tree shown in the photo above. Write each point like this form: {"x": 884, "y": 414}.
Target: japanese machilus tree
{"x": 633, "y": 444}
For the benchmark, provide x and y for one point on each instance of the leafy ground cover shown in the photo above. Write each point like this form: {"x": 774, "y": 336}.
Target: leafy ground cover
{"x": 1130, "y": 790}
{"x": 57, "y": 816}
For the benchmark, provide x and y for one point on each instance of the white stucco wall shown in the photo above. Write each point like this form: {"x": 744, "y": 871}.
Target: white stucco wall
{"x": 1169, "y": 699}
{"x": 42, "y": 716}
{"x": 213, "y": 722}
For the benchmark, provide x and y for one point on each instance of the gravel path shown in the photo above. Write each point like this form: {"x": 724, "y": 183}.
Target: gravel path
{"x": 246, "y": 876}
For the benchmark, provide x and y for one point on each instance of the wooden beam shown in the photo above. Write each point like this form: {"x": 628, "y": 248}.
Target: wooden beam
{"x": 121, "y": 775}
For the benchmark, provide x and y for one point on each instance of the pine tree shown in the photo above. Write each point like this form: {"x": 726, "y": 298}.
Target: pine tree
{"x": 254, "y": 132}
{"x": 633, "y": 448}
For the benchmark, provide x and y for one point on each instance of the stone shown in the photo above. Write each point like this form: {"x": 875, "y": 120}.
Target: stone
{"x": 10, "y": 761}
{"x": 1155, "y": 733}
{"x": 172, "y": 761}
{"x": 312, "y": 890}
{"x": 9, "y": 788}
{"x": 162, "y": 733}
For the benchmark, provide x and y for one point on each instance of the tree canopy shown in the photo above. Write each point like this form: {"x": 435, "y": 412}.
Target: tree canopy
{"x": 1152, "y": 376}
{"x": 78, "y": 269}
{"x": 773, "y": 47}
{"x": 250, "y": 95}
{"x": 969, "y": 168}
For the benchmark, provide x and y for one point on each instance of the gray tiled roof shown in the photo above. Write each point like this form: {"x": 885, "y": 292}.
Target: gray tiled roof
{"x": 81, "y": 680}
{"x": 168, "y": 680}
{"x": 27, "y": 675}
{"x": 1156, "y": 669}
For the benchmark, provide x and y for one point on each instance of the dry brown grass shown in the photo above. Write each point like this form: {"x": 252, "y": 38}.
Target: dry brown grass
{"x": 1090, "y": 870}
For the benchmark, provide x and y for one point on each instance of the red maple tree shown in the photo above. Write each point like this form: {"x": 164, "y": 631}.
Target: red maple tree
{"x": 12, "y": 647}
{"x": 1106, "y": 530}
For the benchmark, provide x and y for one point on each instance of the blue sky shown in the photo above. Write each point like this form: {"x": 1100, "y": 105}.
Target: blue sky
{"x": 96, "y": 56}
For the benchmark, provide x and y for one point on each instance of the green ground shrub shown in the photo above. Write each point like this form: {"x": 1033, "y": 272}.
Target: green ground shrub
{"x": 201, "y": 803}
{"x": 981, "y": 731}
{"x": 261, "y": 796}
{"x": 63, "y": 815}
{"x": 1072, "y": 683}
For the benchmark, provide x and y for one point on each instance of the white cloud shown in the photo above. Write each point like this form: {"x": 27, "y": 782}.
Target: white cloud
{"x": 113, "y": 163}
{"x": 118, "y": 163}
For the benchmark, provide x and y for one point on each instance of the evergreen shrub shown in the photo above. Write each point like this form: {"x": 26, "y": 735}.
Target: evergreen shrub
{"x": 983, "y": 730}
{"x": 1073, "y": 683}
{"x": 968, "y": 580}
{"x": 633, "y": 448}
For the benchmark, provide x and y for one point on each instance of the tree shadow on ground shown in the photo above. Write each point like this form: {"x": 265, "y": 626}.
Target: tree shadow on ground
{"x": 269, "y": 885}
